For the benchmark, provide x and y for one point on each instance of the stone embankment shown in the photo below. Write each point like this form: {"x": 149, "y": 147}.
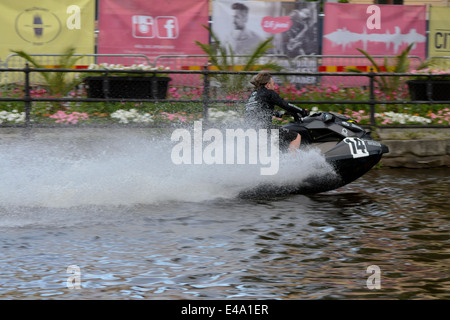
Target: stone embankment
{"x": 415, "y": 147}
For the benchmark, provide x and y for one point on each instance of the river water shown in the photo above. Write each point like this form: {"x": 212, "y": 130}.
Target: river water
{"x": 107, "y": 216}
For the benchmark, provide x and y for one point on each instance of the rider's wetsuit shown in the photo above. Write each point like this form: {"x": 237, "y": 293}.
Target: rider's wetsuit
{"x": 259, "y": 108}
{"x": 259, "y": 111}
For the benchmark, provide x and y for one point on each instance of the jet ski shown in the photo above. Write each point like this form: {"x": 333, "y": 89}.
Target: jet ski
{"x": 346, "y": 146}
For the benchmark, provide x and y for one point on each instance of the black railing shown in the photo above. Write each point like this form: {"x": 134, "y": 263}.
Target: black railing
{"x": 206, "y": 99}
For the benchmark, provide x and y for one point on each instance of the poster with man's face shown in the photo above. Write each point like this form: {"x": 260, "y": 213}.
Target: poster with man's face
{"x": 242, "y": 25}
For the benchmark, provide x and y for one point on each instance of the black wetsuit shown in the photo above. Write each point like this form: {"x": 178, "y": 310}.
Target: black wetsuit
{"x": 259, "y": 111}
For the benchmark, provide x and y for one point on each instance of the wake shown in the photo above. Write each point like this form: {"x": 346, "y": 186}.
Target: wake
{"x": 113, "y": 167}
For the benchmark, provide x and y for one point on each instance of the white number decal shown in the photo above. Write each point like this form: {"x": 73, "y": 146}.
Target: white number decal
{"x": 357, "y": 147}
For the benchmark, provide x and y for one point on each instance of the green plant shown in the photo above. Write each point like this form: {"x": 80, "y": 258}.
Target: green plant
{"x": 388, "y": 84}
{"x": 59, "y": 83}
{"x": 223, "y": 59}
{"x": 436, "y": 63}
{"x": 436, "y": 67}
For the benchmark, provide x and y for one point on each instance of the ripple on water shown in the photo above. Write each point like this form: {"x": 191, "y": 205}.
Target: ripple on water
{"x": 290, "y": 247}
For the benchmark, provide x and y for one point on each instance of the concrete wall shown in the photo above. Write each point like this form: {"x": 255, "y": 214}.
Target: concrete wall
{"x": 416, "y": 148}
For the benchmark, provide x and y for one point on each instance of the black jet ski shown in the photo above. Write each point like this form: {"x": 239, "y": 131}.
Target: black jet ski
{"x": 347, "y": 147}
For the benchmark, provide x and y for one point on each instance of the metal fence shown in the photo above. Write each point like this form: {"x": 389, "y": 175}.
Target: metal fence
{"x": 207, "y": 98}
{"x": 302, "y": 63}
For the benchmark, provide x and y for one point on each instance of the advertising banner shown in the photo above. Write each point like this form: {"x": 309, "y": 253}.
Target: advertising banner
{"x": 439, "y": 35}
{"x": 242, "y": 25}
{"x": 165, "y": 27}
{"x": 47, "y": 26}
{"x": 377, "y": 29}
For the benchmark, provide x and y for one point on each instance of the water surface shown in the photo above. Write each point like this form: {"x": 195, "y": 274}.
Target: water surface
{"x": 139, "y": 228}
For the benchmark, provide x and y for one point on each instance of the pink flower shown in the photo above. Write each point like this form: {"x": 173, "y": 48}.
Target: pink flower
{"x": 73, "y": 118}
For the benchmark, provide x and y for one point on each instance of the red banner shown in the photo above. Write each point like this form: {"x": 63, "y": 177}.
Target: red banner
{"x": 152, "y": 28}
{"x": 377, "y": 29}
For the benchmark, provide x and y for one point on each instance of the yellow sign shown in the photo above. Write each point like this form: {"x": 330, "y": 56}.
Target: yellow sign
{"x": 47, "y": 26}
{"x": 439, "y": 36}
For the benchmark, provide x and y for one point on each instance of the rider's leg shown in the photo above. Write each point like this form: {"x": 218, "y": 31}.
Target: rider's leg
{"x": 295, "y": 144}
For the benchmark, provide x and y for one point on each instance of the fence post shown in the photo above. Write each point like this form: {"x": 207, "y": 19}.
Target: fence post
{"x": 205, "y": 93}
{"x": 372, "y": 97}
{"x": 429, "y": 89}
{"x": 106, "y": 86}
{"x": 27, "y": 97}
{"x": 154, "y": 87}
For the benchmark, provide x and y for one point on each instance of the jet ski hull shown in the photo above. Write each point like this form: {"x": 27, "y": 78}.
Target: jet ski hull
{"x": 348, "y": 148}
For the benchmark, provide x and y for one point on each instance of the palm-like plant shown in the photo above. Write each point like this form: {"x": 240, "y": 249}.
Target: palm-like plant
{"x": 226, "y": 60}
{"x": 436, "y": 63}
{"x": 388, "y": 84}
{"x": 59, "y": 83}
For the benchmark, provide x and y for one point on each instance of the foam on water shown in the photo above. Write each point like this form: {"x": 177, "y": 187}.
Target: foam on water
{"x": 126, "y": 168}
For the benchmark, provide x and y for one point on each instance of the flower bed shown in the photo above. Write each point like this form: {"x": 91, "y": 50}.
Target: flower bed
{"x": 132, "y": 115}
{"x": 72, "y": 118}
{"x": 75, "y": 113}
{"x": 13, "y": 116}
{"x": 438, "y": 74}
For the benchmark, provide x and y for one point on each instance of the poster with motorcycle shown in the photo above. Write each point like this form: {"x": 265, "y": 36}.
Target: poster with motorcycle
{"x": 242, "y": 25}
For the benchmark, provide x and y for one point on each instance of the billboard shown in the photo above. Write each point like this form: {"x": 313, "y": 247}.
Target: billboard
{"x": 380, "y": 30}
{"x": 377, "y": 29}
{"x": 50, "y": 26}
{"x": 242, "y": 25}
{"x": 167, "y": 27}
{"x": 439, "y": 35}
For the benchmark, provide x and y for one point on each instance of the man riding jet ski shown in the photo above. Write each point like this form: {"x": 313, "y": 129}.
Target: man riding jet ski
{"x": 259, "y": 110}
{"x": 346, "y": 146}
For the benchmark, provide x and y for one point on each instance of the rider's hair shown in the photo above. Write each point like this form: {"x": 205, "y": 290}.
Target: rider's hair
{"x": 261, "y": 79}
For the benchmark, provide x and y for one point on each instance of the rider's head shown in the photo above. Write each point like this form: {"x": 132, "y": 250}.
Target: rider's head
{"x": 262, "y": 79}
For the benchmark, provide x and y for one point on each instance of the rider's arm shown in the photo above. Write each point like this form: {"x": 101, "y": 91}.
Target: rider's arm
{"x": 279, "y": 101}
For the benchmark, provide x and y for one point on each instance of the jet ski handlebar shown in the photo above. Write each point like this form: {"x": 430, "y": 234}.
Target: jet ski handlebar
{"x": 299, "y": 114}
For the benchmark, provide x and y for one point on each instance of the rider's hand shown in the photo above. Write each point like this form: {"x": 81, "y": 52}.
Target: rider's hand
{"x": 304, "y": 113}
{"x": 279, "y": 114}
